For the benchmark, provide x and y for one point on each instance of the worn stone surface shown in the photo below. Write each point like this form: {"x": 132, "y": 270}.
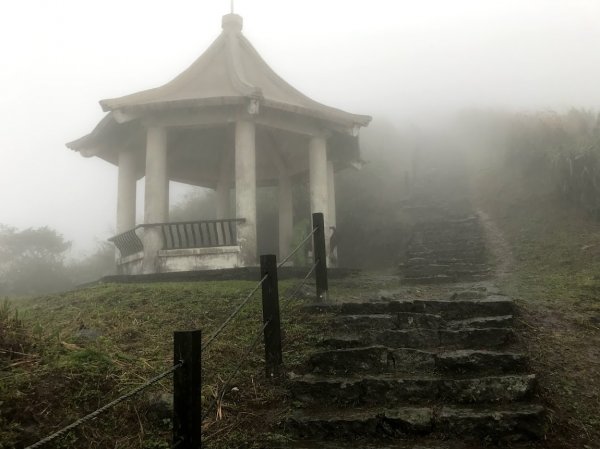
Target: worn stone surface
{"x": 374, "y": 359}
{"x": 507, "y": 424}
{"x": 407, "y": 368}
{"x": 523, "y": 422}
{"x": 389, "y": 391}
{"x": 448, "y": 309}
{"x": 347, "y": 424}
{"x": 445, "y": 338}
{"x": 469, "y": 360}
{"x": 398, "y": 320}
{"x": 382, "y": 359}
{"x": 481, "y": 322}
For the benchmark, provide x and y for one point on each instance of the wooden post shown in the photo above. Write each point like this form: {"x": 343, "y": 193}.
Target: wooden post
{"x": 320, "y": 256}
{"x": 187, "y": 390}
{"x": 270, "y": 305}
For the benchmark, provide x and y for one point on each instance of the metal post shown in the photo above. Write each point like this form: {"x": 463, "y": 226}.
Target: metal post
{"x": 187, "y": 390}
{"x": 270, "y": 305}
{"x": 320, "y": 256}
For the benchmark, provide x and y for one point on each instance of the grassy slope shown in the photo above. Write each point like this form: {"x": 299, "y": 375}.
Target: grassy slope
{"x": 555, "y": 276}
{"x": 65, "y": 373}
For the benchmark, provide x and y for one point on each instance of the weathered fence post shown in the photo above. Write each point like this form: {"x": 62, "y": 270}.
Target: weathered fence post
{"x": 187, "y": 390}
{"x": 320, "y": 255}
{"x": 270, "y": 306}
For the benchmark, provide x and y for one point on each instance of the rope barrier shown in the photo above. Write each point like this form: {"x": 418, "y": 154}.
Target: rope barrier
{"x": 290, "y": 255}
{"x": 104, "y": 408}
{"x": 233, "y": 315}
{"x": 299, "y": 286}
{"x": 236, "y": 370}
{"x": 212, "y": 338}
{"x": 253, "y": 345}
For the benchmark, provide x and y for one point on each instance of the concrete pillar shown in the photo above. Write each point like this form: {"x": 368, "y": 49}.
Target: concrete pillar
{"x": 126, "y": 192}
{"x": 331, "y": 211}
{"x": 224, "y": 183}
{"x": 286, "y": 218}
{"x": 245, "y": 190}
{"x": 317, "y": 163}
{"x": 156, "y": 198}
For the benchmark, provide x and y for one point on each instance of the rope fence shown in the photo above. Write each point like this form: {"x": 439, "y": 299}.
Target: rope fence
{"x": 104, "y": 408}
{"x": 188, "y": 348}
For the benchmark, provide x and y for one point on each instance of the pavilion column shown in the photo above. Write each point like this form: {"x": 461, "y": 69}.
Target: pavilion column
{"x": 126, "y": 191}
{"x": 286, "y": 218}
{"x": 245, "y": 190}
{"x": 317, "y": 162}
{"x": 332, "y": 211}
{"x": 156, "y": 198}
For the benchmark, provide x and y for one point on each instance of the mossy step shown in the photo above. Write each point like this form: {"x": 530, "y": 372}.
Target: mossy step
{"x": 468, "y": 338}
{"x": 449, "y": 309}
{"x": 503, "y": 423}
{"x": 410, "y": 320}
{"x": 389, "y": 391}
{"x": 382, "y": 359}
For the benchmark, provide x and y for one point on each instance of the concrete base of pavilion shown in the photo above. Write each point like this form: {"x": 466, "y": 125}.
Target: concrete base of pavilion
{"x": 228, "y": 274}
{"x": 183, "y": 260}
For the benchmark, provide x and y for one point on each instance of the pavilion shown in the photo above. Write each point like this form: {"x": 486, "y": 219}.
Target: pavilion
{"x": 227, "y": 122}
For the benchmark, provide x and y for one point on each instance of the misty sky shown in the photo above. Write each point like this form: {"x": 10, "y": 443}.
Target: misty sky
{"x": 404, "y": 60}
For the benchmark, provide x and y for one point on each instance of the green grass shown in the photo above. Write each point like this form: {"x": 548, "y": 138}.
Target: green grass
{"x": 555, "y": 278}
{"x": 83, "y": 348}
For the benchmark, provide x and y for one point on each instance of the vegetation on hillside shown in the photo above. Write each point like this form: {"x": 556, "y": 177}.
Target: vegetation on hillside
{"x": 89, "y": 346}
{"x": 552, "y": 271}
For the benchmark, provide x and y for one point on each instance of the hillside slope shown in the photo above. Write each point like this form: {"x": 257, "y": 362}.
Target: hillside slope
{"x": 548, "y": 258}
{"x": 62, "y": 356}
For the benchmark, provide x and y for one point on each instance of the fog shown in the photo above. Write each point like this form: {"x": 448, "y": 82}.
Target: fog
{"x": 405, "y": 62}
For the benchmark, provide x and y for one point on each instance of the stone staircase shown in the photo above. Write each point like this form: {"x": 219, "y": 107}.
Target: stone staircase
{"x": 446, "y": 251}
{"x": 414, "y": 372}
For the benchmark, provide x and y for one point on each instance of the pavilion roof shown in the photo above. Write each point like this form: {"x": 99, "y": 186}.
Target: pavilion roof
{"x": 230, "y": 71}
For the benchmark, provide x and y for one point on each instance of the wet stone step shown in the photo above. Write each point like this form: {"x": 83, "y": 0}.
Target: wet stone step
{"x": 399, "y": 320}
{"x": 446, "y": 279}
{"x": 381, "y": 359}
{"x": 505, "y": 425}
{"x": 470, "y": 361}
{"x": 407, "y": 320}
{"x": 352, "y": 423}
{"x": 481, "y": 322}
{"x": 496, "y": 424}
{"x": 450, "y": 269}
{"x": 469, "y": 338}
{"x": 388, "y": 391}
{"x": 407, "y": 442}
{"x": 374, "y": 359}
{"x": 494, "y": 305}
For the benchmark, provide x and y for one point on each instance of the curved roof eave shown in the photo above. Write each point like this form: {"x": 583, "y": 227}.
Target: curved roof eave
{"x": 248, "y": 76}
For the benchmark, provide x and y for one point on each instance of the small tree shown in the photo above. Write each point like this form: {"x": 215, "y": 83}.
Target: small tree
{"x": 32, "y": 261}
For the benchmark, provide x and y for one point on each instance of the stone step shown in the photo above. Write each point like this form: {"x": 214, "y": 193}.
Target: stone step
{"x": 391, "y": 391}
{"x": 409, "y": 320}
{"x": 481, "y": 322}
{"x": 449, "y": 269}
{"x": 381, "y": 359}
{"x": 400, "y": 320}
{"x": 468, "y": 338}
{"x": 445, "y": 279}
{"x": 494, "y": 305}
{"x": 493, "y": 424}
{"x": 407, "y": 442}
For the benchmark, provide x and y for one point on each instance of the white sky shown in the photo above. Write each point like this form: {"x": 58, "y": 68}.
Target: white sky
{"x": 403, "y": 60}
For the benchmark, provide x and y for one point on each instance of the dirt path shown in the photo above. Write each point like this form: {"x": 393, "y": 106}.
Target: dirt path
{"x": 498, "y": 246}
